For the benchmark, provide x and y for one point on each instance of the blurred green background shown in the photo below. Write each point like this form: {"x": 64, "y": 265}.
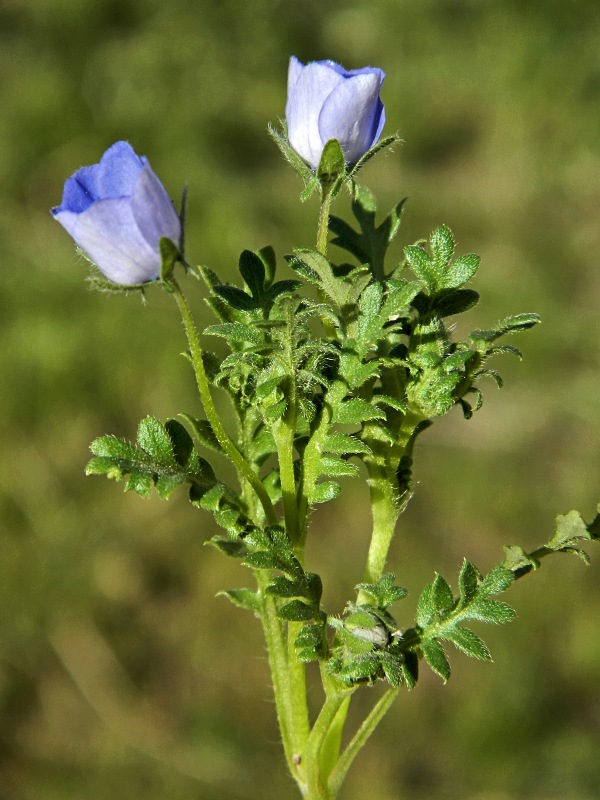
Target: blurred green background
{"x": 121, "y": 674}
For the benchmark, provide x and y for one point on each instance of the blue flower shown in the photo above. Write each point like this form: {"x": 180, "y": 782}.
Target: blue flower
{"x": 325, "y": 102}
{"x": 117, "y": 211}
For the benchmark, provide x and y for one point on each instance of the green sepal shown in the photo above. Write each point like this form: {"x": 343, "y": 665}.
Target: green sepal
{"x": 303, "y": 170}
{"x": 170, "y": 255}
{"x": 382, "y": 144}
{"x": 332, "y": 166}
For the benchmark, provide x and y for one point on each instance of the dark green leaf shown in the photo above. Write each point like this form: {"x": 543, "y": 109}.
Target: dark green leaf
{"x": 181, "y": 442}
{"x": 441, "y": 595}
{"x": 284, "y": 587}
{"x": 262, "y": 559}
{"x": 448, "y": 302}
{"x": 468, "y": 580}
{"x": 252, "y": 270}
{"x": 295, "y": 611}
{"x": 436, "y": 658}
{"x": 235, "y": 297}
{"x": 468, "y": 643}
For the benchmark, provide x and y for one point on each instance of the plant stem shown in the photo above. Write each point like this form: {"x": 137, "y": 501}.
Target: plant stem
{"x": 243, "y": 468}
{"x": 359, "y": 740}
{"x": 278, "y": 663}
{"x": 316, "y": 781}
{"x": 323, "y": 225}
{"x": 386, "y": 497}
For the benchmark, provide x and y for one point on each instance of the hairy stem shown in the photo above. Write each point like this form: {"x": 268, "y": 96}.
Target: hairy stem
{"x": 359, "y": 740}
{"x": 243, "y": 468}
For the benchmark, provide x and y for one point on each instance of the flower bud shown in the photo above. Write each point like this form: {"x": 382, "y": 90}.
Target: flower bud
{"x": 325, "y": 102}
{"x": 117, "y": 211}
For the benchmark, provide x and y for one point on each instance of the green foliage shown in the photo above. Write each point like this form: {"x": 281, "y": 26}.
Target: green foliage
{"x": 163, "y": 456}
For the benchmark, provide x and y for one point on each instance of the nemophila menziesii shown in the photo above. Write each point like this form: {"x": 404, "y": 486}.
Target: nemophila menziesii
{"x": 117, "y": 211}
{"x": 326, "y": 101}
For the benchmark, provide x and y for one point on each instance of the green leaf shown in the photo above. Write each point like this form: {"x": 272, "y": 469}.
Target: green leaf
{"x": 369, "y": 320}
{"x": 516, "y": 559}
{"x": 336, "y": 467}
{"x": 436, "y": 658}
{"x": 442, "y": 246}
{"x": 204, "y": 432}
{"x": 422, "y": 266}
{"x": 309, "y": 636}
{"x": 441, "y": 595}
{"x": 342, "y": 444}
{"x": 468, "y": 581}
{"x": 152, "y": 436}
{"x": 284, "y": 587}
{"x": 234, "y": 548}
{"x": 468, "y": 643}
{"x": 262, "y": 559}
{"x": 323, "y": 492}
{"x": 392, "y": 667}
{"x": 243, "y": 598}
{"x": 181, "y": 442}
{"x": 236, "y": 332}
{"x": 449, "y": 302}
{"x": 425, "y": 607}
{"x": 493, "y": 611}
{"x": 252, "y": 270}
{"x": 296, "y": 611}
{"x": 570, "y": 528}
{"x": 355, "y": 411}
{"x": 236, "y": 298}
{"x": 461, "y": 270}
{"x": 496, "y": 581}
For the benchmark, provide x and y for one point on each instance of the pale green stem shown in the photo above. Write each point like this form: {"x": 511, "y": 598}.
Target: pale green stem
{"x": 358, "y": 742}
{"x": 316, "y": 788}
{"x": 243, "y": 468}
{"x": 385, "y": 511}
{"x": 385, "y": 500}
{"x": 284, "y": 439}
{"x": 278, "y": 662}
{"x": 297, "y": 684}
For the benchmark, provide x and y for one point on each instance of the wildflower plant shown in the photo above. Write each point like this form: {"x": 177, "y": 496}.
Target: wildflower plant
{"x": 334, "y": 371}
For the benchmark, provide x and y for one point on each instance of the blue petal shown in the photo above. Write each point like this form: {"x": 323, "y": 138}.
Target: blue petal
{"x": 353, "y": 113}
{"x": 153, "y": 210}
{"x": 114, "y": 176}
{"x": 117, "y": 172}
{"x": 306, "y": 96}
{"x": 109, "y": 235}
